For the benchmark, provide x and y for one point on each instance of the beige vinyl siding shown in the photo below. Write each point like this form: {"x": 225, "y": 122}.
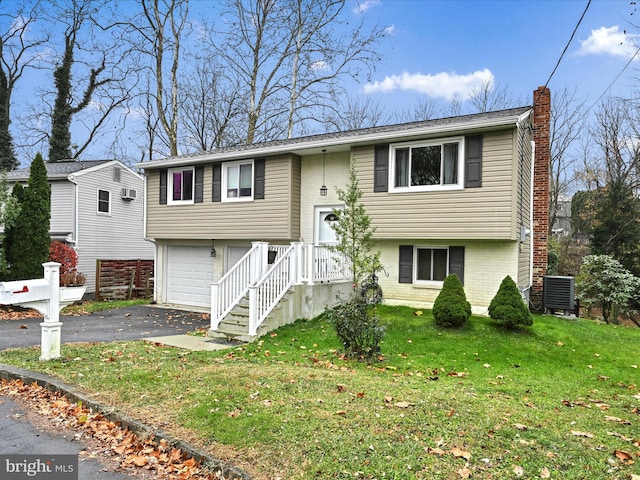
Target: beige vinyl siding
{"x": 524, "y": 200}
{"x": 274, "y": 218}
{"x": 487, "y": 212}
{"x": 336, "y": 175}
{"x": 116, "y": 236}
{"x": 63, "y": 207}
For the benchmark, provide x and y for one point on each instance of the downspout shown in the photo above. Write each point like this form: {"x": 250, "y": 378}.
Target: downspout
{"x": 152, "y": 240}
{"x": 76, "y": 202}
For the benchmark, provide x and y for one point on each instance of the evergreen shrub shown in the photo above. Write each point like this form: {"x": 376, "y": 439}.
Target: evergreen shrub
{"x": 451, "y": 308}
{"x": 508, "y": 307}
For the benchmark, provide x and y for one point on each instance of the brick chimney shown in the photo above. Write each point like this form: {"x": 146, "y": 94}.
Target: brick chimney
{"x": 541, "y": 137}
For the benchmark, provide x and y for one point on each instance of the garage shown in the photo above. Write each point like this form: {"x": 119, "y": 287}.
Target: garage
{"x": 189, "y": 275}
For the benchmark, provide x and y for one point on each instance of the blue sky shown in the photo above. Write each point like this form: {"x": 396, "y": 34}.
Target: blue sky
{"x": 443, "y": 48}
{"x": 438, "y": 49}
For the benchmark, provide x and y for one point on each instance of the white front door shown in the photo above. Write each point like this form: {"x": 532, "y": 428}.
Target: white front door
{"x": 325, "y": 218}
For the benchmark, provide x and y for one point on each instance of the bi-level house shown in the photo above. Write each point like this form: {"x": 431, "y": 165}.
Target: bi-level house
{"x": 97, "y": 208}
{"x": 248, "y": 224}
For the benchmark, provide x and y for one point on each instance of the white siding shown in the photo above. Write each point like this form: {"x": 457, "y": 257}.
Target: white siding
{"x": 63, "y": 207}
{"x": 118, "y": 235}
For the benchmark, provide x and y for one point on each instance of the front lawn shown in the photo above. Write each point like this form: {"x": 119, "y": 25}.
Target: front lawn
{"x": 559, "y": 400}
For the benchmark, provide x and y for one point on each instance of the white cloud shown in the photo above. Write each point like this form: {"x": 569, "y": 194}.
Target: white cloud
{"x": 390, "y": 30}
{"x": 363, "y": 5}
{"x": 441, "y": 85}
{"x": 320, "y": 65}
{"x": 608, "y": 41}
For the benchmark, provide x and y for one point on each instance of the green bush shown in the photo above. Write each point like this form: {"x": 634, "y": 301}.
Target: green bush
{"x": 451, "y": 308}
{"x": 358, "y": 327}
{"x": 508, "y": 307}
{"x": 604, "y": 282}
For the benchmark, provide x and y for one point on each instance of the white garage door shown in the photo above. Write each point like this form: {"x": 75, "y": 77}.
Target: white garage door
{"x": 189, "y": 276}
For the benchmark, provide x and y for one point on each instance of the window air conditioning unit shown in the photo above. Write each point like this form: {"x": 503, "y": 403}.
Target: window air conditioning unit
{"x": 558, "y": 293}
{"x": 128, "y": 194}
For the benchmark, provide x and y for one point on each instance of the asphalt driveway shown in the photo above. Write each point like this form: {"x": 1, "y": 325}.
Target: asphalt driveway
{"x": 131, "y": 323}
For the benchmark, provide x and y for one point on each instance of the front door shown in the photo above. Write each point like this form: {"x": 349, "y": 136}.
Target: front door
{"x": 324, "y": 232}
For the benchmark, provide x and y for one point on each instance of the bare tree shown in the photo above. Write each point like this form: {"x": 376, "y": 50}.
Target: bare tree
{"x": 567, "y": 126}
{"x": 289, "y": 57}
{"x": 18, "y": 52}
{"x": 321, "y": 55}
{"x": 356, "y": 112}
{"x": 488, "y": 97}
{"x": 211, "y": 108}
{"x": 155, "y": 36}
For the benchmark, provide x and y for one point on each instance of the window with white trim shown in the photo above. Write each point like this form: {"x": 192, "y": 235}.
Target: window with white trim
{"x": 237, "y": 181}
{"x": 432, "y": 264}
{"x": 181, "y": 183}
{"x": 104, "y": 202}
{"x": 427, "y": 165}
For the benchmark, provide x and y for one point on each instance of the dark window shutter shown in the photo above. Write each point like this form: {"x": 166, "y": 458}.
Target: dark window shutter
{"x": 456, "y": 262}
{"x": 198, "y": 197}
{"x": 163, "y": 187}
{"x": 405, "y": 268}
{"x": 381, "y": 169}
{"x": 216, "y": 195}
{"x": 473, "y": 161}
{"x": 258, "y": 179}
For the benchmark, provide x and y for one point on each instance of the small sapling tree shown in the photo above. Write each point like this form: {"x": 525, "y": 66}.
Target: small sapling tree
{"x": 508, "y": 307}
{"x": 355, "y": 319}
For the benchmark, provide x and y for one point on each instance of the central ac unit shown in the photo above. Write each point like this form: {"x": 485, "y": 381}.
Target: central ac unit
{"x": 129, "y": 194}
{"x": 558, "y": 293}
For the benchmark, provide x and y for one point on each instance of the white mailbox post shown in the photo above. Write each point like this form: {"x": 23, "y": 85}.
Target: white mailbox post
{"x": 43, "y": 295}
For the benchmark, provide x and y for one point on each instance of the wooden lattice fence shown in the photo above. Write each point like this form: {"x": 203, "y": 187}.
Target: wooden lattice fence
{"x": 124, "y": 279}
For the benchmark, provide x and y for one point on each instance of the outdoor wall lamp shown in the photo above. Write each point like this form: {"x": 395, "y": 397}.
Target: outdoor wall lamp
{"x": 323, "y": 188}
{"x": 213, "y": 248}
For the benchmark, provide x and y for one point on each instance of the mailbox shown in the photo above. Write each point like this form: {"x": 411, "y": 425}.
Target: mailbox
{"x": 24, "y": 291}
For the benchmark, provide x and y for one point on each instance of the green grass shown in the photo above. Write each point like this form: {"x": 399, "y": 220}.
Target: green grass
{"x": 560, "y": 397}
{"x": 91, "y": 306}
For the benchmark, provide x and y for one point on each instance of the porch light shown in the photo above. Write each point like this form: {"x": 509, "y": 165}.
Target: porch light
{"x": 323, "y": 188}
{"x": 213, "y": 248}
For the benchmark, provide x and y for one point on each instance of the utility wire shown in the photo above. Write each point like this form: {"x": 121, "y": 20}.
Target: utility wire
{"x": 565, "y": 48}
{"x": 614, "y": 80}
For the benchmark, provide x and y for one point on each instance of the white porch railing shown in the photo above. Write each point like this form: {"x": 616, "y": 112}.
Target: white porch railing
{"x": 266, "y": 273}
{"x": 229, "y": 290}
{"x": 266, "y": 293}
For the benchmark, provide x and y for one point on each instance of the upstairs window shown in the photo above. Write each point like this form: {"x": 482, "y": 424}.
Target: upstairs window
{"x": 181, "y": 185}
{"x": 237, "y": 181}
{"x": 426, "y": 165}
{"x": 104, "y": 202}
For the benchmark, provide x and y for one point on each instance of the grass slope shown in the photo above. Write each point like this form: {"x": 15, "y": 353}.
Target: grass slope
{"x": 558, "y": 400}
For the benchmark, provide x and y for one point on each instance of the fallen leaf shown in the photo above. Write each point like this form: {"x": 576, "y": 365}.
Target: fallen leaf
{"x": 403, "y": 404}
{"x": 341, "y": 412}
{"x": 545, "y": 473}
{"x": 418, "y": 313}
{"x": 625, "y": 457}
{"x": 619, "y": 435}
{"x": 520, "y": 426}
{"x": 581, "y": 434}
{"x": 518, "y": 470}
{"x": 560, "y": 344}
{"x": 464, "y": 472}
{"x": 451, "y": 412}
{"x": 617, "y": 420}
{"x": 435, "y": 451}
{"x": 459, "y": 453}
{"x": 457, "y": 374}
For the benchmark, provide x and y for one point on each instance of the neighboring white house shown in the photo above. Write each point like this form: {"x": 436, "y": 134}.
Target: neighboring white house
{"x": 98, "y": 208}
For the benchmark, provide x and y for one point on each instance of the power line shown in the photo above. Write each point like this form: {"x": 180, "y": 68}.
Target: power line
{"x": 565, "y": 48}
{"x": 615, "y": 79}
